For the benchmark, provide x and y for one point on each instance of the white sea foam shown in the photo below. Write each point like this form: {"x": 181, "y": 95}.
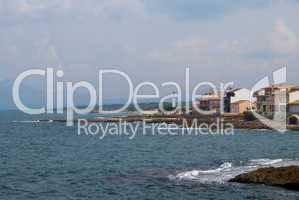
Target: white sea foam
{"x": 27, "y": 121}
{"x": 228, "y": 170}
{"x": 32, "y": 121}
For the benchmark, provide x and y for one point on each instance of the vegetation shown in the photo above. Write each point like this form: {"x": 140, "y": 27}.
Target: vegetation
{"x": 248, "y": 116}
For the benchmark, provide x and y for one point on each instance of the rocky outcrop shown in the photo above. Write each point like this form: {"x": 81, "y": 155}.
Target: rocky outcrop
{"x": 287, "y": 177}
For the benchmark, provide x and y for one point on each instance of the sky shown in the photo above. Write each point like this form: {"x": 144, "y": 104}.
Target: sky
{"x": 151, "y": 40}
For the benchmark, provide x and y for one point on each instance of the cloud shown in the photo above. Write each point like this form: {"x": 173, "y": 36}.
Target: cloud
{"x": 58, "y": 8}
{"x": 283, "y": 40}
{"x": 183, "y": 51}
{"x": 199, "y": 9}
{"x": 138, "y": 36}
{"x": 24, "y": 7}
{"x": 277, "y": 42}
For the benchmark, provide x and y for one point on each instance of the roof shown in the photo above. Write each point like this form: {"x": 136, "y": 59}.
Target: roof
{"x": 233, "y": 91}
{"x": 237, "y": 89}
{"x": 290, "y": 87}
{"x": 282, "y": 85}
{"x": 294, "y": 102}
{"x": 294, "y": 90}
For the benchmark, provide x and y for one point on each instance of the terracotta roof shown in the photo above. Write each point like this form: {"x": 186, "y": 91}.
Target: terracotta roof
{"x": 290, "y": 87}
{"x": 294, "y": 89}
{"x": 283, "y": 85}
{"x": 294, "y": 102}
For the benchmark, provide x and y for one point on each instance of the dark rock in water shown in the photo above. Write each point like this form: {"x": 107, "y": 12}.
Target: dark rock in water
{"x": 287, "y": 177}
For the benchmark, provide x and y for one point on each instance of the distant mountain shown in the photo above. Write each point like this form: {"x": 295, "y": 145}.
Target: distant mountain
{"x": 33, "y": 94}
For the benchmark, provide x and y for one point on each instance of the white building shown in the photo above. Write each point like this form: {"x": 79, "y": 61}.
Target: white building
{"x": 293, "y": 96}
{"x": 241, "y": 94}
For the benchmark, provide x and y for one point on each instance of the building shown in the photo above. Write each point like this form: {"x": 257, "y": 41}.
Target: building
{"x": 293, "y": 107}
{"x": 235, "y": 95}
{"x": 294, "y": 95}
{"x": 240, "y": 106}
{"x": 293, "y": 112}
{"x": 278, "y": 98}
{"x": 212, "y": 102}
{"x": 275, "y": 98}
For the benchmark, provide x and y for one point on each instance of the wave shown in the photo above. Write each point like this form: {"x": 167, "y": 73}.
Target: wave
{"x": 229, "y": 170}
{"x": 33, "y": 121}
{"x": 27, "y": 121}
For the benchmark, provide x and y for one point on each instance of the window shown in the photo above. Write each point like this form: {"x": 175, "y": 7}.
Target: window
{"x": 264, "y": 108}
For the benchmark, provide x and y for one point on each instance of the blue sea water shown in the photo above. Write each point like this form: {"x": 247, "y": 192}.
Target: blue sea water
{"x": 51, "y": 161}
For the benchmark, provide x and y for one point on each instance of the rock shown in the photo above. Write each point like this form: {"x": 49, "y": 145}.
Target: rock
{"x": 286, "y": 177}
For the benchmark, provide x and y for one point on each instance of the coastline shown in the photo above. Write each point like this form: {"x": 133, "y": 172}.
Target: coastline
{"x": 236, "y": 120}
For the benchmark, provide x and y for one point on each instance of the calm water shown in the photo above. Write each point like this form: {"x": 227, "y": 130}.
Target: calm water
{"x": 50, "y": 161}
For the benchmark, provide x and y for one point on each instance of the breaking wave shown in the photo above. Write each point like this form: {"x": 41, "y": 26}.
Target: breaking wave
{"x": 229, "y": 170}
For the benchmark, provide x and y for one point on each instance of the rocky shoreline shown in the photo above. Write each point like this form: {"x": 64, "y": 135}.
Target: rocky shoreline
{"x": 286, "y": 177}
{"x": 237, "y": 121}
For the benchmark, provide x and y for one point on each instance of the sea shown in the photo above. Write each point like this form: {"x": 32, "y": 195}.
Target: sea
{"x": 48, "y": 160}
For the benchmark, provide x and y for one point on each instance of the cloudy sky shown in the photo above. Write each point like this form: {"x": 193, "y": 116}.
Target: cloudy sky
{"x": 151, "y": 40}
